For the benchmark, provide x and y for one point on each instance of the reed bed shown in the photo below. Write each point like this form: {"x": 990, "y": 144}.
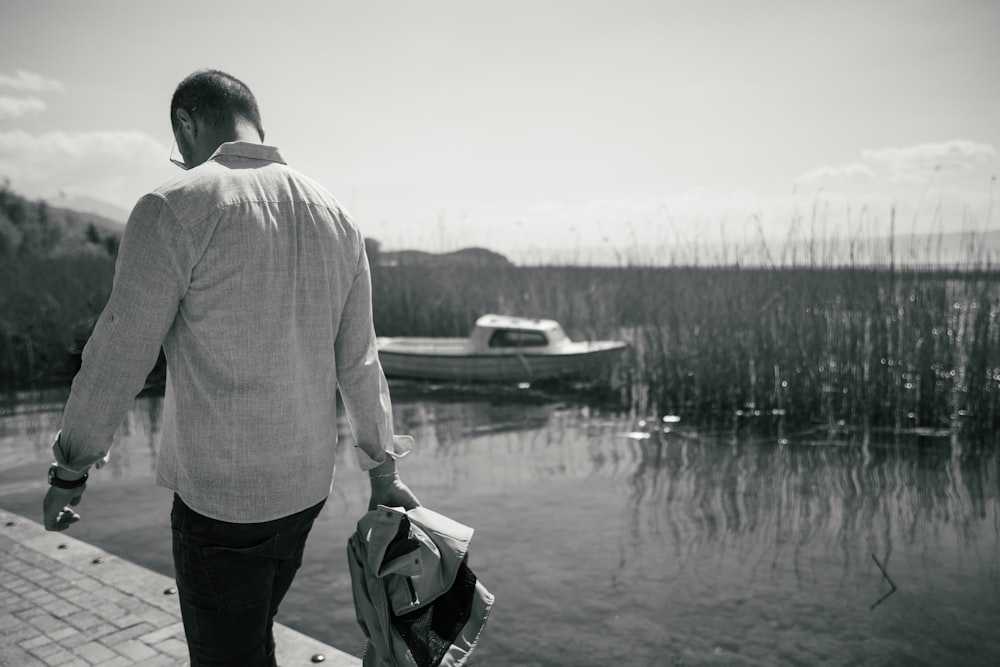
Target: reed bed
{"x": 869, "y": 348}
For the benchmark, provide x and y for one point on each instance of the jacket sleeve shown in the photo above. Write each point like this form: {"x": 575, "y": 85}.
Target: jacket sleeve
{"x": 370, "y": 606}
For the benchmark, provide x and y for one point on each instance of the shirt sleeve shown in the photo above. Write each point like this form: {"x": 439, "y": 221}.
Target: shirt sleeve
{"x": 362, "y": 383}
{"x": 151, "y": 277}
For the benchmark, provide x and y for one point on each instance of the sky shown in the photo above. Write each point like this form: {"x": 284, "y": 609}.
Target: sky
{"x": 559, "y": 130}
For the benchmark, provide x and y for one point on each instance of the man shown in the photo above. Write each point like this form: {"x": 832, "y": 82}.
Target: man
{"x": 256, "y": 284}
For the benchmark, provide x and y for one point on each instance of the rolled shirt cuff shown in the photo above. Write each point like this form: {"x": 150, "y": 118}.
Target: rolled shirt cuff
{"x": 77, "y": 465}
{"x": 401, "y": 446}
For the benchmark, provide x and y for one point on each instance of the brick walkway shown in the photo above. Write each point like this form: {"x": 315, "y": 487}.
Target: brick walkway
{"x": 67, "y": 603}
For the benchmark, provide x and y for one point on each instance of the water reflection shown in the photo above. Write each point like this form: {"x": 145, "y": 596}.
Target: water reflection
{"x": 766, "y": 499}
{"x": 697, "y": 488}
{"x": 735, "y": 542}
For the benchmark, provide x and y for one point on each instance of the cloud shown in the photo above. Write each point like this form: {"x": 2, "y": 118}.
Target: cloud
{"x": 116, "y": 166}
{"x": 14, "y": 107}
{"x": 116, "y": 144}
{"x": 907, "y": 166}
{"x": 920, "y": 160}
{"x": 851, "y": 172}
{"x": 29, "y": 81}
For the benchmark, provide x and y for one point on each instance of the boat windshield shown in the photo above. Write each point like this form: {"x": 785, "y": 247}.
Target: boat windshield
{"x": 517, "y": 338}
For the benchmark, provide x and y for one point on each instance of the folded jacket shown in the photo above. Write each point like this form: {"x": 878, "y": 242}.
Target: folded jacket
{"x": 415, "y": 597}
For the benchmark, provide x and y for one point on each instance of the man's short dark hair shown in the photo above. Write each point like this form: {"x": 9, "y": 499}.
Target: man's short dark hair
{"x": 217, "y": 98}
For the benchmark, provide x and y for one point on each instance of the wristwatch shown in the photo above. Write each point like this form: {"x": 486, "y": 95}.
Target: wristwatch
{"x": 64, "y": 483}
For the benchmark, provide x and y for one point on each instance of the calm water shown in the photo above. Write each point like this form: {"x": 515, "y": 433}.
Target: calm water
{"x": 608, "y": 541}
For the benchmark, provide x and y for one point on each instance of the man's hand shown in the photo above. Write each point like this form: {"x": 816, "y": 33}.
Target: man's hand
{"x": 391, "y": 492}
{"x": 56, "y": 507}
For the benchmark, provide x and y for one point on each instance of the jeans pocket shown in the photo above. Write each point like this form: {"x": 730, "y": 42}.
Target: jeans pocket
{"x": 240, "y": 577}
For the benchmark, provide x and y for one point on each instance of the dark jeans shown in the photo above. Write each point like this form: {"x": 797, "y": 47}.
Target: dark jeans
{"x": 231, "y": 577}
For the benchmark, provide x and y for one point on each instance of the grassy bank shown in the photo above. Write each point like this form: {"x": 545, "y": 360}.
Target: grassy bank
{"x": 874, "y": 348}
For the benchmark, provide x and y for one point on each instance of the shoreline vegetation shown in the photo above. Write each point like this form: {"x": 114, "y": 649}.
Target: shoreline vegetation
{"x": 859, "y": 349}
{"x": 883, "y": 345}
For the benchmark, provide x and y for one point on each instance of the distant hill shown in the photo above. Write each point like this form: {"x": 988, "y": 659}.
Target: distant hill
{"x": 88, "y": 205}
{"x": 474, "y": 257}
{"x": 952, "y": 250}
{"x": 77, "y": 219}
{"x": 955, "y": 248}
{"x": 36, "y": 229}
{"x": 946, "y": 250}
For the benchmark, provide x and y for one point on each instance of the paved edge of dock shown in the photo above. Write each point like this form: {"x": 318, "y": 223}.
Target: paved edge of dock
{"x": 67, "y": 603}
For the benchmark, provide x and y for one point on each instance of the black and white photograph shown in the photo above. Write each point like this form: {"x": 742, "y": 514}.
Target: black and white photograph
{"x": 561, "y": 333}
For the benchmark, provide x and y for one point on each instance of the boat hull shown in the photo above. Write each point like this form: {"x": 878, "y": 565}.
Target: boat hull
{"x": 447, "y": 360}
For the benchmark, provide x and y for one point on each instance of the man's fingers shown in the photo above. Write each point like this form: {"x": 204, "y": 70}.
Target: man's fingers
{"x": 61, "y": 520}
{"x": 67, "y": 518}
{"x": 56, "y": 510}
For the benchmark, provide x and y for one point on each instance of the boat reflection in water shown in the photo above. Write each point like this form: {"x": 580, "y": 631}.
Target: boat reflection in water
{"x": 609, "y": 540}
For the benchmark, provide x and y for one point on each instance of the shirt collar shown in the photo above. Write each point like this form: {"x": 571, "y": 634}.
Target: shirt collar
{"x": 249, "y": 150}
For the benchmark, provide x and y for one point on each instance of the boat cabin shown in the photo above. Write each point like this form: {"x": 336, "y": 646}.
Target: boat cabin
{"x": 499, "y": 333}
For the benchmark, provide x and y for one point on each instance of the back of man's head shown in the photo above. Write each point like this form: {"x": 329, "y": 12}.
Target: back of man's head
{"x": 219, "y": 99}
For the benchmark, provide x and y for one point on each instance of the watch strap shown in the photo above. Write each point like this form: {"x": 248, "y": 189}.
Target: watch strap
{"x": 55, "y": 481}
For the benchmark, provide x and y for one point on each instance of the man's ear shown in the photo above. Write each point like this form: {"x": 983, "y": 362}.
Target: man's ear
{"x": 186, "y": 122}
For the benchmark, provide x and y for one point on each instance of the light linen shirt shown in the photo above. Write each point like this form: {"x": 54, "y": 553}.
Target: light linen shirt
{"x": 256, "y": 283}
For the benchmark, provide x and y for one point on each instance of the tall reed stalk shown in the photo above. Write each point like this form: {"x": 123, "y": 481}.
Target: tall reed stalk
{"x": 879, "y": 347}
